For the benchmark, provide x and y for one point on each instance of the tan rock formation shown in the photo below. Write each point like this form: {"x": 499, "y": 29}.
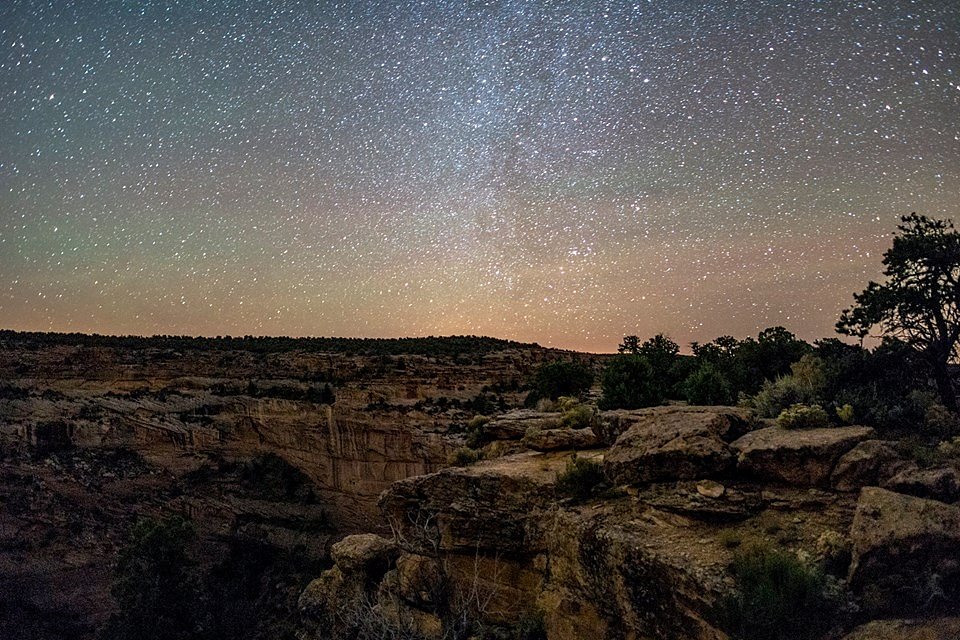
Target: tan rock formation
{"x": 939, "y": 483}
{"x": 930, "y": 629}
{"x": 560, "y": 439}
{"x": 906, "y": 552}
{"x": 869, "y": 463}
{"x": 803, "y": 457}
{"x": 669, "y": 444}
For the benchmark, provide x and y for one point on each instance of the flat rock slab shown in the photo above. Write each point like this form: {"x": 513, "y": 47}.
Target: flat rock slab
{"x": 930, "y": 629}
{"x": 560, "y": 439}
{"x": 671, "y": 445}
{"x": 802, "y": 457}
{"x": 906, "y": 552}
{"x": 686, "y": 499}
{"x": 489, "y": 506}
{"x": 735, "y": 423}
{"x": 513, "y": 425}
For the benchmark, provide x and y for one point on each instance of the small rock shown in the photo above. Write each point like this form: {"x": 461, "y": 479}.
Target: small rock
{"x": 363, "y": 552}
{"x": 710, "y": 489}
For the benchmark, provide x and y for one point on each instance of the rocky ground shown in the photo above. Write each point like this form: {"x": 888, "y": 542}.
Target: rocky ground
{"x": 242, "y": 442}
{"x": 650, "y": 556}
{"x": 370, "y": 515}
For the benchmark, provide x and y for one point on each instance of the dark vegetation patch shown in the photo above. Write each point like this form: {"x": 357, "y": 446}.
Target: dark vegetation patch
{"x": 450, "y": 346}
{"x": 777, "y": 597}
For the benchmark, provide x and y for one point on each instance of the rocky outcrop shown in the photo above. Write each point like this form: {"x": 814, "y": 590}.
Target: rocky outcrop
{"x": 939, "y": 483}
{"x": 195, "y": 419}
{"x": 513, "y": 425}
{"x": 365, "y": 554}
{"x": 802, "y": 457}
{"x": 906, "y": 553}
{"x": 560, "y": 439}
{"x": 340, "y": 598}
{"x": 667, "y": 444}
{"x": 646, "y": 575}
{"x": 614, "y": 423}
{"x": 869, "y": 463}
{"x": 491, "y": 506}
{"x": 929, "y": 629}
{"x": 492, "y": 536}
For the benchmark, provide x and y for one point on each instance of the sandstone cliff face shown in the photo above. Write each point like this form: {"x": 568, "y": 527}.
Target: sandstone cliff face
{"x": 390, "y": 420}
{"x": 650, "y": 560}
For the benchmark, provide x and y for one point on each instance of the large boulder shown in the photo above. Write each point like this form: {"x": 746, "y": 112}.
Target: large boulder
{"x": 906, "y": 553}
{"x": 490, "y": 506}
{"x": 940, "y": 483}
{"x": 561, "y": 439}
{"x": 671, "y": 445}
{"x": 513, "y": 425}
{"x": 868, "y": 464}
{"x": 635, "y": 575}
{"x": 930, "y": 629}
{"x": 365, "y": 553}
{"x": 612, "y": 424}
{"x": 802, "y": 457}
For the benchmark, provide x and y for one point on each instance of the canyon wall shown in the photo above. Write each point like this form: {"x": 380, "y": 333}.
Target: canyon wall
{"x": 247, "y": 444}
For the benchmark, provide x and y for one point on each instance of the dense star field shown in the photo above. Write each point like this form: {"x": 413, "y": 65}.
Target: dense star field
{"x": 559, "y": 172}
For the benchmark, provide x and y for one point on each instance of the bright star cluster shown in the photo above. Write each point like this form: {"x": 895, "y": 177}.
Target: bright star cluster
{"x": 557, "y": 171}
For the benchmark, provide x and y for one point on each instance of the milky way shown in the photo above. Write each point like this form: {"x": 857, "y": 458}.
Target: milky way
{"x": 560, "y": 172}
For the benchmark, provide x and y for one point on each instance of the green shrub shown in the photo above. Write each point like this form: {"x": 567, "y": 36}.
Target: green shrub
{"x": 802, "y": 416}
{"x": 477, "y": 422}
{"x": 475, "y": 434}
{"x": 560, "y": 378}
{"x": 464, "y": 456}
{"x": 846, "y": 414}
{"x": 581, "y": 479}
{"x": 580, "y": 416}
{"x": 940, "y": 421}
{"x": 156, "y": 584}
{"x": 949, "y": 449}
{"x": 707, "y": 386}
{"x": 804, "y": 385}
{"x": 777, "y": 597}
{"x": 546, "y": 405}
{"x": 628, "y": 383}
{"x": 777, "y": 395}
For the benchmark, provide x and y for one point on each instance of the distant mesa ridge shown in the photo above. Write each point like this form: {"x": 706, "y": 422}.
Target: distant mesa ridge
{"x": 430, "y": 345}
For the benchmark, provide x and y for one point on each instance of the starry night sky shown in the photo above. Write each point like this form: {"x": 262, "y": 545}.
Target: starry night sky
{"x": 560, "y": 172}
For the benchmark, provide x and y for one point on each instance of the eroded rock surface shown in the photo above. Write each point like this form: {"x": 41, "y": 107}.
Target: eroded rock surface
{"x": 670, "y": 444}
{"x": 869, "y": 463}
{"x": 560, "y": 439}
{"x": 906, "y": 553}
{"x": 198, "y": 423}
{"x": 939, "y": 483}
{"x": 929, "y": 629}
{"x": 803, "y": 457}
